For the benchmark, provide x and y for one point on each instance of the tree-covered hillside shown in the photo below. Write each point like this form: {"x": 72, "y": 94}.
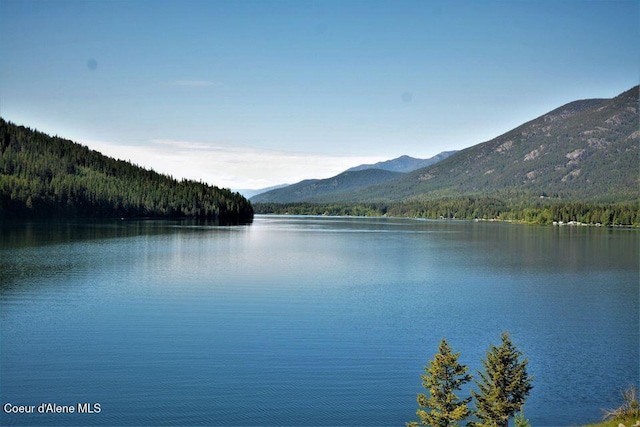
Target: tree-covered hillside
{"x": 316, "y": 189}
{"x": 540, "y": 211}
{"x": 584, "y": 151}
{"x": 44, "y": 176}
{"x": 353, "y": 179}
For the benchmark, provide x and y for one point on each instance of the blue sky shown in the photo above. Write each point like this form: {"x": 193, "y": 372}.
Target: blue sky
{"x": 247, "y": 94}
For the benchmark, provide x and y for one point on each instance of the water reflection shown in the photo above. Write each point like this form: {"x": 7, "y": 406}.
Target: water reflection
{"x": 188, "y": 323}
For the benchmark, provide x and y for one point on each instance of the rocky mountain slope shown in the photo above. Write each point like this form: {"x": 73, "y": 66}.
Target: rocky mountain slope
{"x": 583, "y": 151}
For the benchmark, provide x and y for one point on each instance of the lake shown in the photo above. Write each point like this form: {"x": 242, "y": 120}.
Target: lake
{"x": 306, "y": 321}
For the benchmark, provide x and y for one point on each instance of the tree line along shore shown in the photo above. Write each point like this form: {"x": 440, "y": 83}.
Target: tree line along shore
{"x": 541, "y": 211}
{"x": 44, "y": 177}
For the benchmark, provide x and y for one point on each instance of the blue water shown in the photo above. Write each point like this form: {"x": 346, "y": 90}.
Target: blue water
{"x": 299, "y": 321}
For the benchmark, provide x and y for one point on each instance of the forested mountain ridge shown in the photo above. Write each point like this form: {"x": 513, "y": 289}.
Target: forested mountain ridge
{"x": 318, "y": 189}
{"x": 45, "y": 176}
{"x": 583, "y": 151}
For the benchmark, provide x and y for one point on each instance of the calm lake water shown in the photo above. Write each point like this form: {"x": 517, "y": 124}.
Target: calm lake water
{"x": 306, "y": 321}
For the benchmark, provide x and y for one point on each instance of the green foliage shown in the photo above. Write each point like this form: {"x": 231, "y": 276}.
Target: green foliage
{"x": 577, "y": 163}
{"x": 443, "y": 377}
{"x": 44, "y": 176}
{"x": 521, "y": 420}
{"x": 539, "y": 211}
{"x": 615, "y": 422}
{"x": 630, "y": 406}
{"x": 504, "y": 384}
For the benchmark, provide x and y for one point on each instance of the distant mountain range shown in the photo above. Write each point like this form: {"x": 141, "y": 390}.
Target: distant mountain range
{"x": 586, "y": 150}
{"x": 352, "y": 179}
{"x": 404, "y": 163}
{"x": 315, "y": 189}
{"x": 248, "y": 193}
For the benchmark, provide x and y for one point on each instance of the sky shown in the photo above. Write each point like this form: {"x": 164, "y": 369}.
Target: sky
{"x": 249, "y": 94}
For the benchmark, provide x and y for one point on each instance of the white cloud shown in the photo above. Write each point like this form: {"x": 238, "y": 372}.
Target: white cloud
{"x": 230, "y": 166}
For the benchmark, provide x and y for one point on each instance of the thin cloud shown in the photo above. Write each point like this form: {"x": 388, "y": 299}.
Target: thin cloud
{"x": 228, "y": 165}
{"x": 183, "y": 145}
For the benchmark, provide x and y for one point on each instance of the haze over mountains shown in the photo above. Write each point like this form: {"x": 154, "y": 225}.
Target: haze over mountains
{"x": 401, "y": 164}
{"x": 313, "y": 189}
{"x": 586, "y": 150}
{"x": 404, "y": 163}
{"x": 350, "y": 180}
{"x": 249, "y": 192}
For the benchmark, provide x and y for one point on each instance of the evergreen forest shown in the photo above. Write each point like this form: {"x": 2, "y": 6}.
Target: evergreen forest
{"x": 48, "y": 177}
{"x": 542, "y": 211}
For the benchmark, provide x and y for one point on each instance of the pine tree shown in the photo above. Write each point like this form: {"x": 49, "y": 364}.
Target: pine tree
{"x": 443, "y": 377}
{"x": 521, "y": 420}
{"x": 504, "y": 385}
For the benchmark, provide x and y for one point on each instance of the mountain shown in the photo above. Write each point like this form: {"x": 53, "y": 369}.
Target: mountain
{"x": 316, "y": 189}
{"x": 404, "y": 163}
{"x": 583, "y": 151}
{"x": 44, "y": 176}
{"x": 356, "y": 178}
{"x": 248, "y": 193}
